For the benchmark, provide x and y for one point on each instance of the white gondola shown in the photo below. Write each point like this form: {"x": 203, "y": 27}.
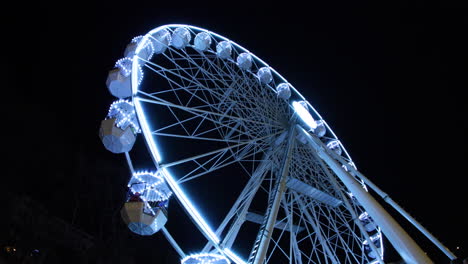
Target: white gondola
{"x": 145, "y": 211}
{"x": 119, "y": 80}
{"x": 334, "y": 145}
{"x": 320, "y": 130}
{"x": 118, "y": 131}
{"x": 202, "y": 41}
{"x": 161, "y": 40}
{"x": 180, "y": 38}
{"x": 264, "y": 75}
{"x": 145, "y": 53}
{"x": 244, "y": 61}
{"x": 119, "y": 85}
{"x": 283, "y": 91}
{"x": 224, "y": 49}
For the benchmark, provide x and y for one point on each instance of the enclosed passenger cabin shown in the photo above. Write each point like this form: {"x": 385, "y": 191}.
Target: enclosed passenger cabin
{"x": 146, "y": 52}
{"x": 118, "y": 131}
{"x": 334, "y": 145}
{"x": 119, "y": 80}
{"x": 320, "y": 130}
{"x": 142, "y": 221}
{"x": 244, "y": 61}
{"x": 180, "y": 38}
{"x": 145, "y": 211}
{"x": 283, "y": 91}
{"x": 161, "y": 40}
{"x": 224, "y": 49}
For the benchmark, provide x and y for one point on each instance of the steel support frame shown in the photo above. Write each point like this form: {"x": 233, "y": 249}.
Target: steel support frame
{"x": 281, "y": 187}
{"x": 401, "y": 241}
{"x": 397, "y": 207}
{"x": 242, "y": 204}
{"x": 323, "y": 242}
{"x": 348, "y": 206}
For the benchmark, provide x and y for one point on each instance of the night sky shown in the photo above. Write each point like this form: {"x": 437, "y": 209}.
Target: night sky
{"x": 389, "y": 80}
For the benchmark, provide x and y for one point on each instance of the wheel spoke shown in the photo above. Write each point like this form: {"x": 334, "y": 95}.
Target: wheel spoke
{"x": 195, "y": 110}
{"x": 174, "y": 163}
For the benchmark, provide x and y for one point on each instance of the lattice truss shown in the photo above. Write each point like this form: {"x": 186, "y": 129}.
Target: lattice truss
{"x": 323, "y": 232}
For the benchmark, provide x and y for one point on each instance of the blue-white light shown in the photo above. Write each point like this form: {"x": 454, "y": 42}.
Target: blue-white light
{"x": 146, "y": 52}
{"x": 167, "y": 176}
{"x": 264, "y": 75}
{"x": 304, "y": 114}
{"x": 189, "y": 207}
{"x": 145, "y": 127}
{"x": 124, "y": 113}
{"x": 321, "y": 129}
{"x": 224, "y": 49}
{"x": 334, "y": 145}
{"x": 202, "y": 41}
{"x": 125, "y": 66}
{"x": 150, "y": 185}
{"x": 180, "y": 37}
{"x": 283, "y": 91}
{"x": 205, "y": 258}
{"x": 244, "y": 61}
{"x": 160, "y": 39}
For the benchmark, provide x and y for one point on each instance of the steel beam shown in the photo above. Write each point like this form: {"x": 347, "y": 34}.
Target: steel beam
{"x": 398, "y": 237}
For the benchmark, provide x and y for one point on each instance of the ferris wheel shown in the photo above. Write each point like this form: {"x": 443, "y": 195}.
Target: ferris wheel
{"x": 256, "y": 168}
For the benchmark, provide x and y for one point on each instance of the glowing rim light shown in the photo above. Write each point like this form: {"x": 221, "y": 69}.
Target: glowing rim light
{"x": 144, "y": 124}
{"x": 199, "y": 257}
{"x": 304, "y": 115}
{"x": 115, "y": 110}
{"x": 189, "y": 207}
{"x": 169, "y": 179}
{"x": 150, "y": 187}
{"x": 138, "y": 175}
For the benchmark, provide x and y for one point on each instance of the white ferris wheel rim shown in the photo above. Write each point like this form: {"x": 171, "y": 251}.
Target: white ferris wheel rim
{"x": 156, "y": 153}
{"x": 145, "y": 37}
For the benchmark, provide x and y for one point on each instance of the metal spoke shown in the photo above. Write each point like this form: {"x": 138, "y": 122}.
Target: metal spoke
{"x": 174, "y": 163}
{"x": 202, "y": 111}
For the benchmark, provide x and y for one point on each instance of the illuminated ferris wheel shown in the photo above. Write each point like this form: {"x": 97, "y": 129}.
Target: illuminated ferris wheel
{"x": 257, "y": 170}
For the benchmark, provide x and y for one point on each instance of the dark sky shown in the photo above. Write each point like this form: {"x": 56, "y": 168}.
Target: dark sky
{"x": 389, "y": 80}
